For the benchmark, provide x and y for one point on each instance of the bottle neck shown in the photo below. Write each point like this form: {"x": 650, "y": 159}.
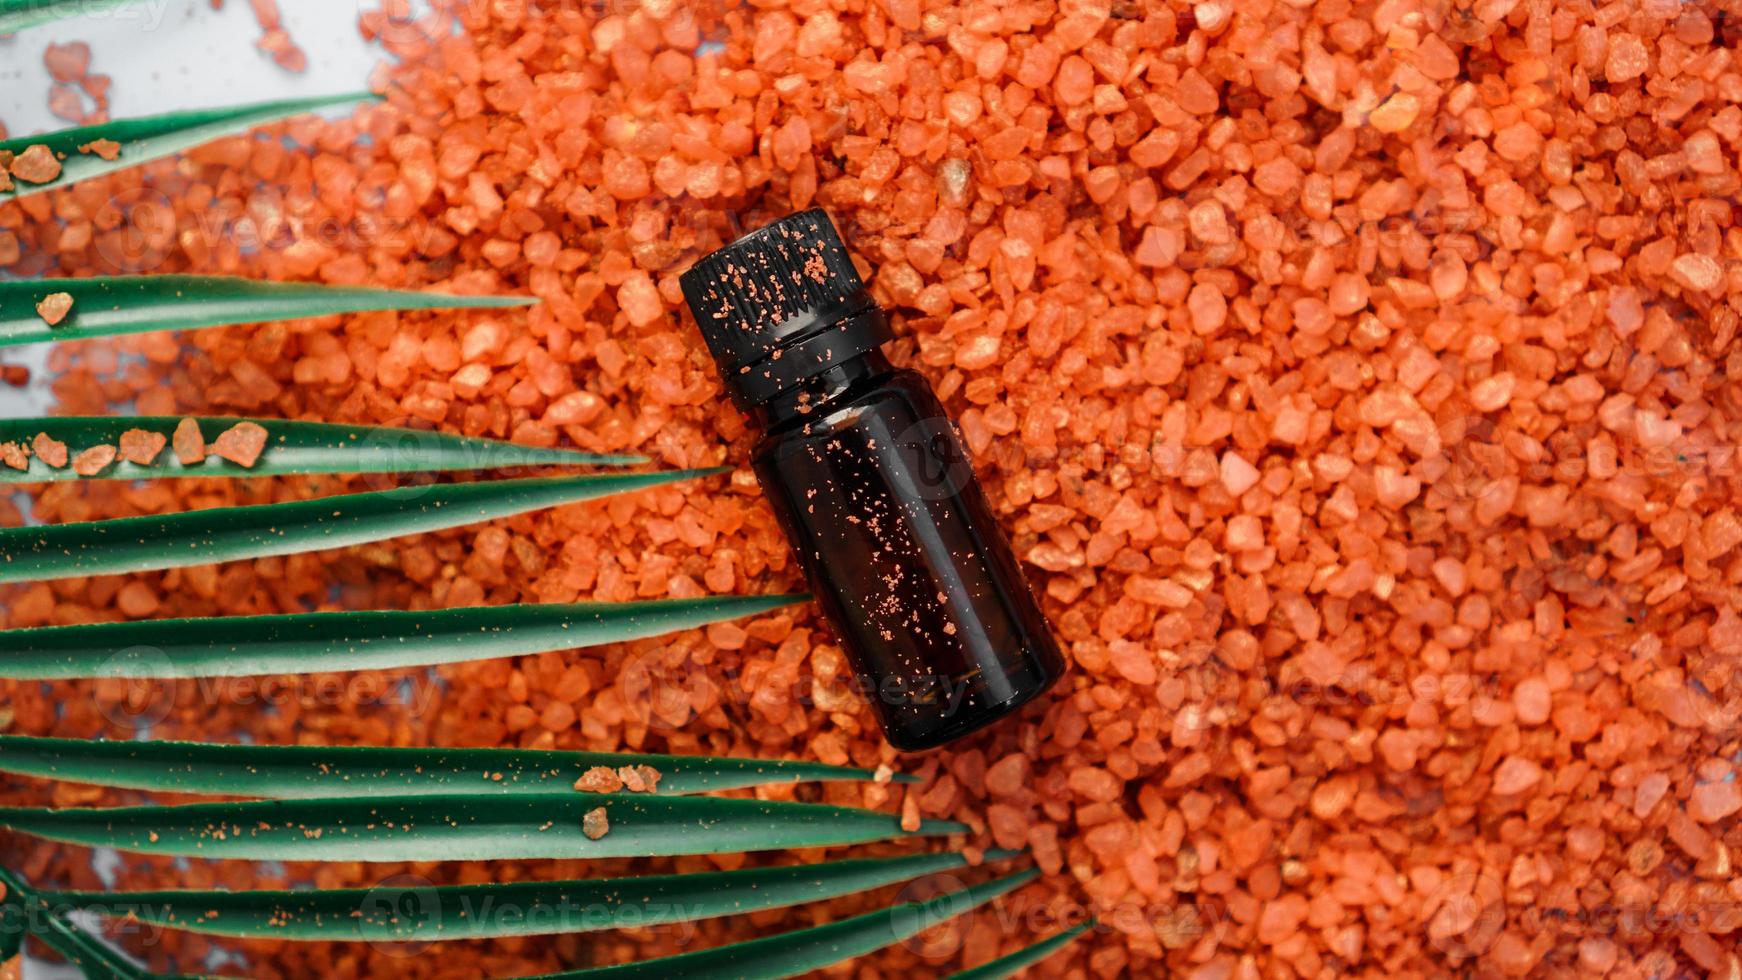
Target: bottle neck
{"x": 791, "y": 356}
{"x": 821, "y": 391}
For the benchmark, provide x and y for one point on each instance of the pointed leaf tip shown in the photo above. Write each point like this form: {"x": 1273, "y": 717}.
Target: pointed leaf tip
{"x": 1009, "y": 966}
{"x": 302, "y": 643}
{"x": 158, "y": 541}
{"x": 107, "y": 306}
{"x": 146, "y": 138}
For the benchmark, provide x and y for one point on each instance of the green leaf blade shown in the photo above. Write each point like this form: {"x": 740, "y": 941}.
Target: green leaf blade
{"x": 26, "y": 911}
{"x": 801, "y": 951}
{"x": 293, "y": 448}
{"x": 1005, "y": 967}
{"x": 144, "y": 138}
{"x": 16, "y": 15}
{"x": 132, "y": 544}
{"x": 107, "y": 306}
{"x": 407, "y": 910}
{"x": 311, "y": 771}
{"x": 464, "y": 828}
{"x": 299, "y": 643}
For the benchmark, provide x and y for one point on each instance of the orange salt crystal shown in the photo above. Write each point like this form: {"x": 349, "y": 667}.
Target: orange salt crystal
{"x": 67, "y": 63}
{"x": 189, "y": 443}
{"x": 104, "y": 148}
{"x": 54, "y": 308}
{"x": 1395, "y": 114}
{"x": 94, "y": 460}
{"x": 136, "y": 600}
{"x": 36, "y": 165}
{"x": 910, "y": 818}
{"x": 141, "y": 447}
{"x": 241, "y": 443}
{"x": 51, "y": 451}
{"x": 1627, "y": 60}
{"x": 1515, "y": 775}
{"x": 639, "y": 779}
{"x": 596, "y": 823}
{"x": 631, "y": 779}
{"x": 15, "y": 455}
{"x": 599, "y": 779}
{"x": 1700, "y": 273}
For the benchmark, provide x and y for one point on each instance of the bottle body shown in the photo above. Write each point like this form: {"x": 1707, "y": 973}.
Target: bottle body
{"x": 875, "y": 491}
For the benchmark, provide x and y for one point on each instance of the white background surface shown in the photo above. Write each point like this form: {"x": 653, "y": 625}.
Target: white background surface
{"x": 165, "y": 55}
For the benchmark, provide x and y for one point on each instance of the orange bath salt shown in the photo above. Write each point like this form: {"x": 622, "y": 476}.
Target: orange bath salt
{"x": 104, "y": 148}
{"x": 1396, "y": 113}
{"x": 54, "y": 308}
{"x": 188, "y": 443}
{"x": 15, "y": 455}
{"x": 51, "y": 451}
{"x": 36, "y": 165}
{"x": 92, "y": 461}
{"x": 136, "y": 600}
{"x": 141, "y": 447}
{"x": 240, "y": 444}
{"x": 599, "y": 779}
{"x": 596, "y": 823}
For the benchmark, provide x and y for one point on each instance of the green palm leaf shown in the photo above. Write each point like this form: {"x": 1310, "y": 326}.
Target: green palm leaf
{"x": 16, "y": 15}
{"x": 292, "y": 449}
{"x": 146, "y": 138}
{"x": 793, "y": 953}
{"x": 408, "y": 909}
{"x": 464, "y": 828}
{"x": 304, "y": 771}
{"x": 132, "y": 544}
{"x": 106, "y": 306}
{"x": 303, "y": 643}
{"x": 1009, "y": 966}
{"x": 26, "y": 912}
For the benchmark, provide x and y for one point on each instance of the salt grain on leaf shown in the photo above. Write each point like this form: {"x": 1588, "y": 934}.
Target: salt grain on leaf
{"x": 189, "y": 443}
{"x": 105, "y": 149}
{"x": 54, "y": 308}
{"x": 599, "y": 779}
{"x": 141, "y": 447}
{"x": 94, "y": 460}
{"x": 241, "y": 443}
{"x": 36, "y": 165}
{"x": 595, "y": 824}
{"x": 15, "y": 455}
{"x": 50, "y": 450}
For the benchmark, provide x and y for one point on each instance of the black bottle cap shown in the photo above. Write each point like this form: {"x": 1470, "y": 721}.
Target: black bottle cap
{"x": 785, "y": 292}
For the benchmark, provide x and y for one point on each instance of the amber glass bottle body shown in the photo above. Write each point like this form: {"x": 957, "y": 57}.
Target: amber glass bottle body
{"x": 875, "y": 490}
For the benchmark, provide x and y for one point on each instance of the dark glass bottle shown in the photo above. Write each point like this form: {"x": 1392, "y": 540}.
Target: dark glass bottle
{"x": 873, "y": 487}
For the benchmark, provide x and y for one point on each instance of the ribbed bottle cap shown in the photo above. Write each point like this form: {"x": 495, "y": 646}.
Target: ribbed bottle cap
{"x": 772, "y": 289}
